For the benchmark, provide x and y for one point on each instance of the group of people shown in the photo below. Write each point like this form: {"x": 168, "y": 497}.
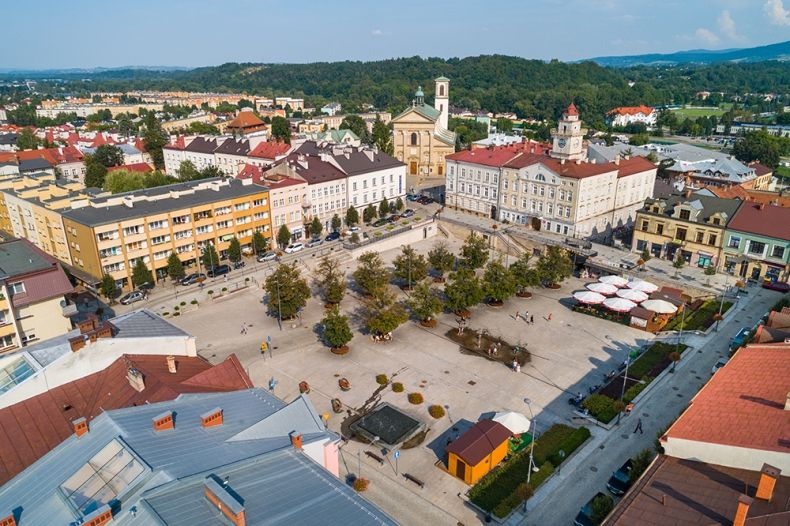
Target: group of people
{"x": 493, "y": 349}
{"x": 381, "y": 337}
{"x": 527, "y": 317}
{"x": 516, "y": 366}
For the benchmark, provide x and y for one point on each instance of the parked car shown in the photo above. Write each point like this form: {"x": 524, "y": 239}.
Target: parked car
{"x": 407, "y": 213}
{"x": 354, "y": 229}
{"x": 425, "y": 200}
{"x": 332, "y": 236}
{"x": 380, "y": 222}
{"x": 147, "y": 286}
{"x": 584, "y": 517}
{"x": 237, "y": 265}
{"x": 294, "y": 247}
{"x": 721, "y": 362}
{"x": 266, "y": 256}
{"x": 393, "y": 218}
{"x": 315, "y": 242}
{"x": 219, "y": 270}
{"x": 620, "y": 480}
{"x": 133, "y": 297}
{"x": 195, "y": 277}
{"x": 780, "y": 286}
{"x": 412, "y": 197}
{"x": 740, "y": 338}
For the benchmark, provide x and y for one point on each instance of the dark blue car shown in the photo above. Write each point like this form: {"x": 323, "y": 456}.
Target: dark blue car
{"x": 620, "y": 480}
{"x": 332, "y": 236}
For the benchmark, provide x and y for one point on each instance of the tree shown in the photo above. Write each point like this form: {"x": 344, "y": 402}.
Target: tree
{"x": 331, "y": 280}
{"x": 287, "y": 290}
{"x": 234, "y": 250}
{"x": 382, "y": 136}
{"x": 504, "y": 125}
{"x": 260, "y": 244}
{"x": 640, "y": 463}
{"x": 352, "y": 216}
{"x": 354, "y": 238}
{"x": 710, "y": 270}
{"x": 283, "y": 236}
{"x": 211, "y": 171}
{"x": 645, "y": 255}
{"x": 639, "y": 139}
{"x": 474, "y": 252}
{"x": 399, "y": 204}
{"x": 281, "y": 129}
{"x": 356, "y": 124}
{"x": 424, "y": 302}
{"x": 678, "y": 263}
{"x": 369, "y": 213}
{"x": 125, "y": 124}
{"x": 600, "y": 507}
{"x": 108, "y": 155}
{"x": 498, "y": 282}
{"x": 336, "y": 223}
{"x": 675, "y": 357}
{"x": 95, "y": 172}
{"x": 554, "y": 265}
{"x": 382, "y": 314}
{"x": 108, "y": 288}
{"x": 175, "y": 269}
{"x": 441, "y": 259}
{"x": 384, "y": 207}
{"x": 761, "y": 146}
{"x": 463, "y": 290}
{"x": 140, "y": 273}
{"x": 187, "y": 171}
{"x": 410, "y": 266}
{"x": 154, "y": 138}
{"x": 119, "y": 181}
{"x": 337, "y": 332}
{"x": 209, "y": 258}
{"x": 26, "y": 139}
{"x": 371, "y": 275}
{"x": 316, "y": 227}
{"x": 524, "y": 275}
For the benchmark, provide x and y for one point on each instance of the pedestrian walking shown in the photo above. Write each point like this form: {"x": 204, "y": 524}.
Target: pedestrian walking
{"x": 639, "y": 427}
{"x": 526, "y": 316}
{"x": 516, "y": 316}
{"x": 549, "y": 318}
{"x": 531, "y": 319}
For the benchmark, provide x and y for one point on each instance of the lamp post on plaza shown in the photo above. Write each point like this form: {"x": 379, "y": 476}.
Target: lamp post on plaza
{"x": 531, "y": 447}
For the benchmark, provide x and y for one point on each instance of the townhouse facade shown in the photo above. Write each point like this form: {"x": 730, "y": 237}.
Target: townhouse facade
{"x": 625, "y": 115}
{"x": 198, "y": 150}
{"x": 757, "y": 243}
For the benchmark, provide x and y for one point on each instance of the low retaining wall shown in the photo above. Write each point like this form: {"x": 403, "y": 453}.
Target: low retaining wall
{"x": 419, "y": 231}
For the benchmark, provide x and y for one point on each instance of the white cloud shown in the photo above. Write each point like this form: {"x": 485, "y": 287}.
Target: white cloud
{"x": 727, "y": 26}
{"x": 776, "y": 12}
{"x": 707, "y": 36}
{"x": 376, "y": 32}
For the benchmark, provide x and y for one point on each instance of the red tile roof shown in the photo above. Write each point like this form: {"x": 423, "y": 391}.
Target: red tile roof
{"x": 566, "y": 169}
{"x": 270, "y": 150}
{"x": 760, "y": 169}
{"x": 631, "y": 110}
{"x": 496, "y": 156}
{"x": 479, "y": 441}
{"x": 134, "y": 167}
{"x": 282, "y": 183}
{"x": 250, "y": 171}
{"x": 634, "y": 165}
{"x": 747, "y": 194}
{"x": 245, "y": 119}
{"x": 30, "y": 429}
{"x": 743, "y": 404}
{"x": 571, "y": 110}
{"x": 765, "y": 220}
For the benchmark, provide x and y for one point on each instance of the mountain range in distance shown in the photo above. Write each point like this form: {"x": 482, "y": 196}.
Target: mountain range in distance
{"x": 779, "y": 51}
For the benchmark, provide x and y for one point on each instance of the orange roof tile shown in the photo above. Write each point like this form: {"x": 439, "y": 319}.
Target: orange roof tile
{"x": 631, "y": 110}
{"x": 245, "y": 119}
{"x": 270, "y": 150}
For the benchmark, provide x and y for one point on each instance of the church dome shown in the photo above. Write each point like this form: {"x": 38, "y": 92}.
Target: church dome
{"x": 419, "y": 92}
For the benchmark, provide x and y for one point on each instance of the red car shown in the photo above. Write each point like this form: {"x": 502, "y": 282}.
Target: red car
{"x": 780, "y": 286}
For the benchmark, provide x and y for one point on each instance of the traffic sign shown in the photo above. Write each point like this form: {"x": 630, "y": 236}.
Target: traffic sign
{"x": 396, "y": 454}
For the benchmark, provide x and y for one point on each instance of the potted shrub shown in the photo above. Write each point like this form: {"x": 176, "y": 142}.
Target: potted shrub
{"x": 425, "y": 304}
{"x": 337, "y": 332}
{"x": 361, "y": 484}
{"x": 416, "y": 398}
{"x": 382, "y": 379}
{"x": 397, "y": 387}
{"x": 436, "y": 411}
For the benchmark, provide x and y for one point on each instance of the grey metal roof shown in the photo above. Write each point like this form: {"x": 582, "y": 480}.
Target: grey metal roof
{"x": 707, "y": 204}
{"x": 277, "y": 484}
{"x": 353, "y": 160}
{"x": 234, "y": 147}
{"x": 190, "y": 196}
{"x": 38, "y": 163}
{"x": 201, "y": 145}
{"x": 19, "y": 257}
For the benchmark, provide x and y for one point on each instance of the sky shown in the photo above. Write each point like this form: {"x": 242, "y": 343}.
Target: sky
{"x": 43, "y": 34}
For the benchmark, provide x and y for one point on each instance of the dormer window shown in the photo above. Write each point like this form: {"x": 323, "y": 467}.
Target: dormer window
{"x": 685, "y": 214}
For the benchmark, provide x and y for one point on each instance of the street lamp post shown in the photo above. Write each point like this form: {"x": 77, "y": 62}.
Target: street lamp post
{"x": 680, "y": 332}
{"x": 721, "y": 303}
{"x": 531, "y": 448}
{"x": 622, "y": 390}
{"x": 279, "y": 306}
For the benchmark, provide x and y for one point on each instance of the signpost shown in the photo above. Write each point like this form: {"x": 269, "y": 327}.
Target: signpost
{"x": 395, "y": 456}
{"x": 269, "y": 342}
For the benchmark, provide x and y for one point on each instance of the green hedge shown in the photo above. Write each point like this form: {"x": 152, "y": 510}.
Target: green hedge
{"x": 655, "y": 354}
{"x": 699, "y": 319}
{"x": 601, "y": 407}
{"x": 516, "y": 498}
{"x": 635, "y": 389}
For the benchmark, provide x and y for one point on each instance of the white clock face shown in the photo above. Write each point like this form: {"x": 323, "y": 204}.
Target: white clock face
{"x": 561, "y": 143}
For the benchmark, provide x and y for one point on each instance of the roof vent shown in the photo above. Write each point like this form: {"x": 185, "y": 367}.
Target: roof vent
{"x": 9, "y": 520}
{"x": 172, "y": 367}
{"x": 225, "y": 501}
{"x": 164, "y": 421}
{"x": 136, "y": 379}
{"x": 296, "y": 439}
{"x": 744, "y": 501}
{"x": 212, "y": 418}
{"x": 768, "y": 476}
{"x": 80, "y": 428}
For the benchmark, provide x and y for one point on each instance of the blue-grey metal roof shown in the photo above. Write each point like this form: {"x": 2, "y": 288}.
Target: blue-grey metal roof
{"x": 276, "y": 483}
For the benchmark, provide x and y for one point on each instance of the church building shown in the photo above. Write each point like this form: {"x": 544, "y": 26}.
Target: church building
{"x": 420, "y": 135}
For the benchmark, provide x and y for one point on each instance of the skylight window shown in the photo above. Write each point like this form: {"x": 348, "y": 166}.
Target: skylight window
{"x": 103, "y": 478}
{"x": 14, "y": 374}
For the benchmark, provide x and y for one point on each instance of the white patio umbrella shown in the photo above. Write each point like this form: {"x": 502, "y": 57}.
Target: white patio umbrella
{"x": 619, "y": 304}
{"x": 644, "y": 286}
{"x": 602, "y": 288}
{"x": 617, "y": 281}
{"x": 659, "y": 306}
{"x": 589, "y": 297}
{"x": 515, "y": 422}
{"x": 634, "y": 295}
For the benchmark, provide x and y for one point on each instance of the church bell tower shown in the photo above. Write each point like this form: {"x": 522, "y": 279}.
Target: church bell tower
{"x": 442, "y": 100}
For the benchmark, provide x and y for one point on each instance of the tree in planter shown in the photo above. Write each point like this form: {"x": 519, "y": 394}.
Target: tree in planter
{"x": 554, "y": 265}
{"x": 463, "y": 290}
{"x": 524, "y": 275}
{"x": 260, "y": 244}
{"x": 234, "y": 250}
{"x": 209, "y": 258}
{"x": 645, "y": 255}
{"x": 398, "y": 204}
{"x": 410, "y": 266}
{"x": 337, "y": 332}
{"x": 474, "y": 253}
{"x": 108, "y": 288}
{"x": 371, "y": 275}
{"x": 336, "y": 223}
{"x": 441, "y": 259}
{"x": 675, "y": 357}
{"x": 354, "y": 238}
{"x": 140, "y": 273}
{"x": 678, "y": 264}
{"x": 382, "y": 314}
{"x": 316, "y": 227}
{"x": 384, "y": 207}
{"x": 369, "y": 213}
{"x": 424, "y": 302}
{"x": 331, "y": 281}
{"x": 352, "y": 216}
{"x": 175, "y": 270}
{"x": 640, "y": 463}
{"x": 710, "y": 270}
{"x": 498, "y": 282}
{"x": 600, "y": 507}
{"x": 283, "y": 236}
{"x": 287, "y": 290}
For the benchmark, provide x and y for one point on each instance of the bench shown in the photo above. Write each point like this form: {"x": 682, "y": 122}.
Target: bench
{"x": 414, "y": 479}
{"x": 375, "y": 457}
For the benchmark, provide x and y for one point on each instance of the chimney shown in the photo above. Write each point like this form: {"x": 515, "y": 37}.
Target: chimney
{"x": 80, "y": 428}
{"x": 164, "y": 421}
{"x": 136, "y": 379}
{"x": 172, "y": 368}
{"x": 99, "y": 517}
{"x": 9, "y": 520}
{"x": 225, "y": 501}
{"x": 744, "y": 501}
{"x": 77, "y": 343}
{"x": 212, "y": 418}
{"x": 296, "y": 439}
{"x": 617, "y": 160}
{"x": 687, "y": 194}
{"x": 768, "y": 476}
{"x": 787, "y": 402}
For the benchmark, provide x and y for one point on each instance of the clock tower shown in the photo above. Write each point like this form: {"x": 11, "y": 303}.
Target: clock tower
{"x": 569, "y": 136}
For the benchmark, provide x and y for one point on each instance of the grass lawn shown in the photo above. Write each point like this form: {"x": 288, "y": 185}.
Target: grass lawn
{"x": 700, "y": 319}
{"x": 693, "y": 113}
{"x": 782, "y": 171}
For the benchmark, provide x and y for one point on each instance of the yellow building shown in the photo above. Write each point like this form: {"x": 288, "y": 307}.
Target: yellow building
{"x": 472, "y": 455}
{"x": 32, "y": 290}
{"x": 421, "y": 139}
{"x": 107, "y": 235}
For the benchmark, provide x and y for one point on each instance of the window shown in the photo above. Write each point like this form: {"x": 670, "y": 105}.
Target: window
{"x": 259, "y": 202}
{"x": 734, "y": 242}
{"x": 712, "y": 239}
{"x": 106, "y": 236}
{"x": 716, "y": 221}
{"x": 659, "y": 229}
{"x": 183, "y": 234}
{"x": 755, "y": 247}
{"x": 155, "y": 225}
{"x": 641, "y": 244}
{"x": 242, "y": 206}
{"x": 778, "y": 251}
{"x": 132, "y": 230}
{"x": 680, "y": 234}
{"x": 158, "y": 240}
{"x": 161, "y": 255}
{"x": 221, "y": 211}
{"x": 205, "y": 214}
{"x": 224, "y": 224}
{"x": 414, "y": 139}
{"x": 18, "y": 288}
{"x": 700, "y": 237}
{"x": 181, "y": 220}
{"x": 645, "y": 225}
{"x": 204, "y": 229}
{"x": 8, "y": 341}
{"x": 504, "y": 184}
{"x": 685, "y": 214}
